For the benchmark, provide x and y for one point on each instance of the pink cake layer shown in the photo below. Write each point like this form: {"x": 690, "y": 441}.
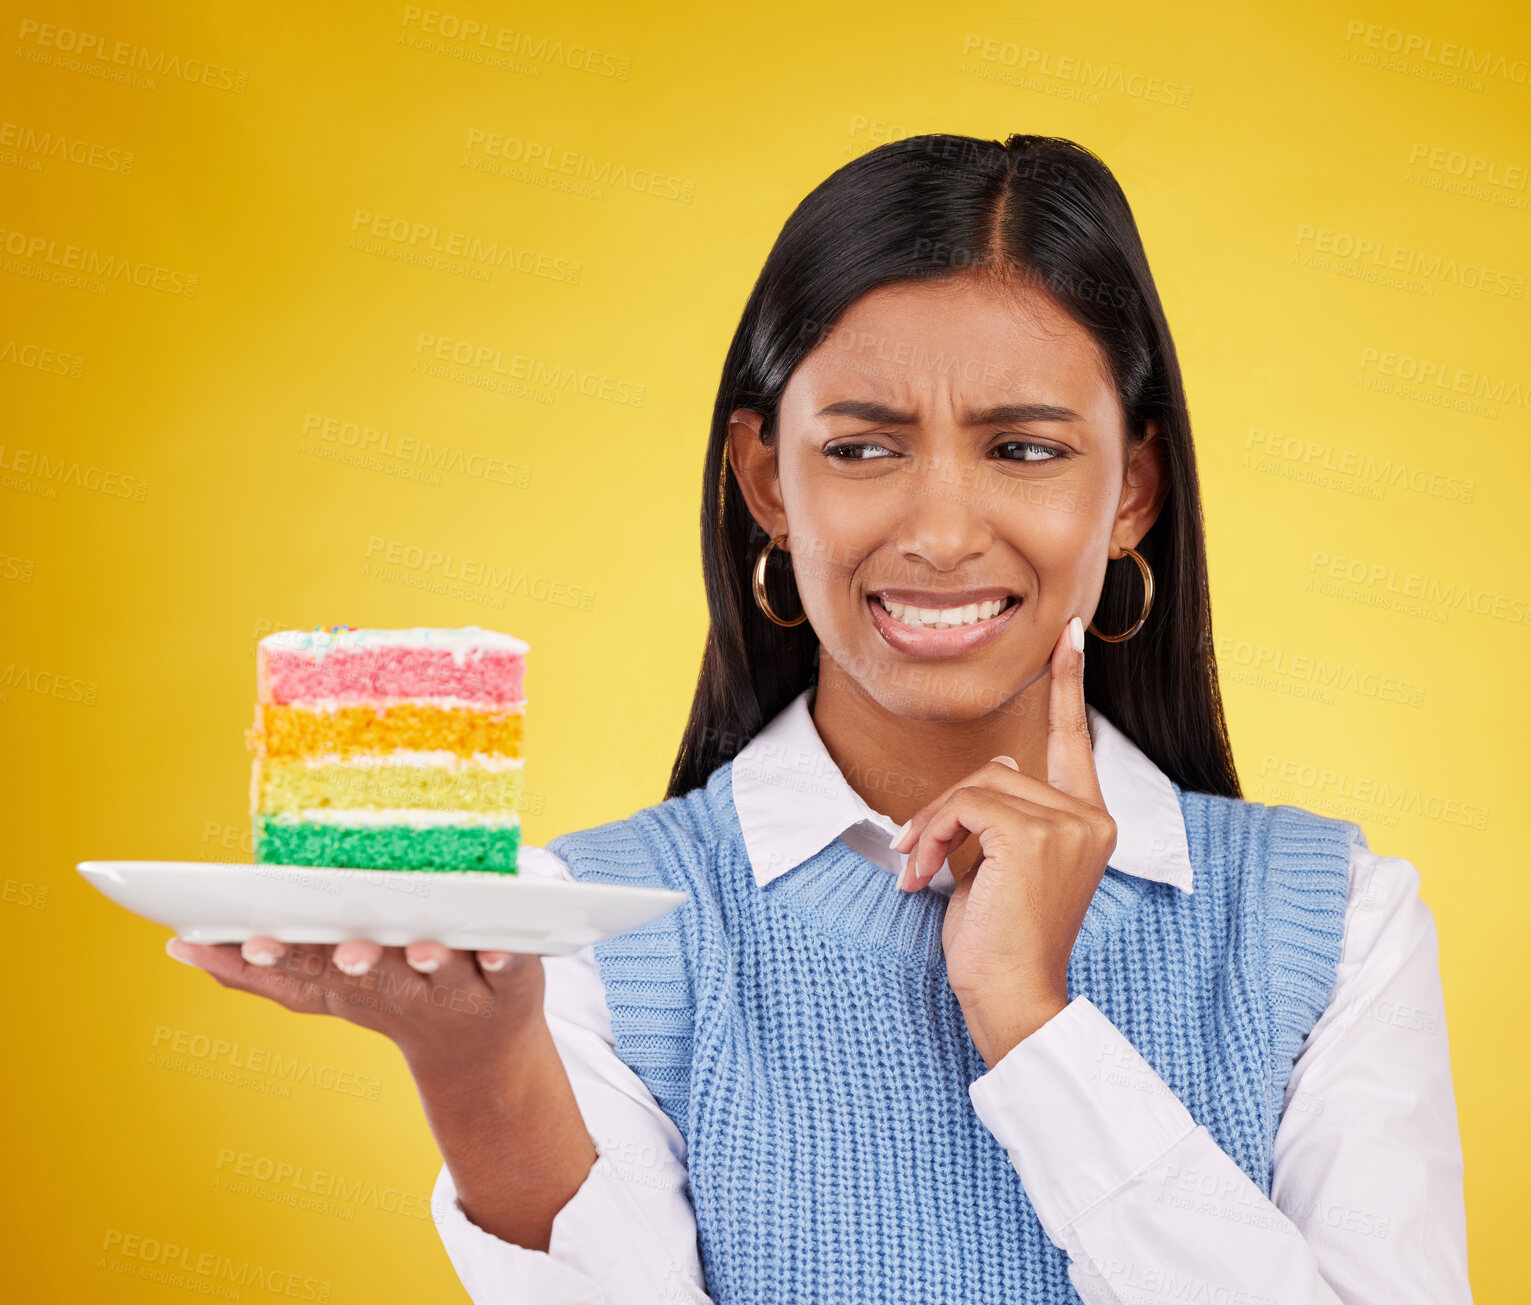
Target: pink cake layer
{"x": 485, "y": 677}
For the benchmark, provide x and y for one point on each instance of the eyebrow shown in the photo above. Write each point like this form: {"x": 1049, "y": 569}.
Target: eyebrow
{"x": 1001, "y": 415}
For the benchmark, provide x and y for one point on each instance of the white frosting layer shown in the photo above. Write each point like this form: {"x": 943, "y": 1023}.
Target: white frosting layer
{"x": 414, "y": 817}
{"x": 440, "y": 759}
{"x": 459, "y": 641}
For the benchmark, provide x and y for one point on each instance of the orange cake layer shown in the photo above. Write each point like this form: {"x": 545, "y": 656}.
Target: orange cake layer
{"x": 346, "y": 729}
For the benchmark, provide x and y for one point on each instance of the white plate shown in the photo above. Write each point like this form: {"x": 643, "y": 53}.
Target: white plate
{"x": 222, "y": 902}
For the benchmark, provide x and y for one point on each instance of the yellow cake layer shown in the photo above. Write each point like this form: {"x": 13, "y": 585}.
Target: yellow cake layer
{"x": 282, "y": 785}
{"x": 281, "y": 730}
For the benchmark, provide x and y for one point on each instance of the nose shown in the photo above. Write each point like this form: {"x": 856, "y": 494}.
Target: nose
{"x": 943, "y": 523}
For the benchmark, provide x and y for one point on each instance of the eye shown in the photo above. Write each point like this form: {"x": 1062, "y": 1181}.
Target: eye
{"x": 1029, "y": 452}
{"x": 858, "y": 452}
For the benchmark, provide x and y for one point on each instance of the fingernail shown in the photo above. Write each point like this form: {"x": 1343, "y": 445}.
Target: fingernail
{"x": 1007, "y": 761}
{"x": 494, "y": 966}
{"x": 1076, "y": 633}
{"x": 428, "y": 966}
{"x": 898, "y": 838}
{"x": 903, "y": 874}
{"x": 352, "y": 968}
{"x": 256, "y": 957}
{"x": 170, "y": 950}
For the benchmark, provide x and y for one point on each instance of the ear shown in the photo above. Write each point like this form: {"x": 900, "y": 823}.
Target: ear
{"x": 1144, "y": 489}
{"x": 754, "y": 467}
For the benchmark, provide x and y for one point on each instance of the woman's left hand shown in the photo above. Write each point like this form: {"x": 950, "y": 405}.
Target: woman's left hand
{"x": 1013, "y": 919}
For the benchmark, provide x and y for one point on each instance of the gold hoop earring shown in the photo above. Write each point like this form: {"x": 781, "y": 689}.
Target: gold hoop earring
{"x": 1148, "y": 601}
{"x": 758, "y": 584}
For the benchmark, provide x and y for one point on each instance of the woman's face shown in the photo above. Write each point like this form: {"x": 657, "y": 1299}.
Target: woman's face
{"x": 951, "y": 472}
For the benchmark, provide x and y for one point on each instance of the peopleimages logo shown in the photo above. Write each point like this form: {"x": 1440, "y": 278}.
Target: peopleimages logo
{"x": 65, "y": 149}
{"x": 1469, "y": 167}
{"x": 412, "y": 449}
{"x": 543, "y": 156}
{"x": 63, "y": 470}
{"x": 1433, "y": 375}
{"x": 36, "y": 357}
{"x": 1374, "y": 252}
{"x": 1381, "y": 473}
{"x": 509, "y": 41}
{"x": 449, "y": 566}
{"x": 424, "y": 239}
{"x": 129, "y": 56}
{"x": 235, "y": 1165}
{"x": 93, "y": 266}
{"x": 199, "y": 1047}
{"x": 492, "y": 367}
{"x": 1444, "y": 54}
{"x": 204, "y": 1272}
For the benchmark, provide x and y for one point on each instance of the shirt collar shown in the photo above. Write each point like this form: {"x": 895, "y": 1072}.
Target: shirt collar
{"x": 793, "y": 801}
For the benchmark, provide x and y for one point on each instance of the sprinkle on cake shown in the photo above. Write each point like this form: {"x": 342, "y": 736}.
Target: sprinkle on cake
{"x": 388, "y": 749}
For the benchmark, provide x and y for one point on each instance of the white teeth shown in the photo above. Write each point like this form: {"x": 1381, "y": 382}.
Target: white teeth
{"x": 943, "y": 618}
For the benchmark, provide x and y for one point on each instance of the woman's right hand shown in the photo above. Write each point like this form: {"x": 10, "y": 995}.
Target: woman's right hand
{"x": 442, "y": 1008}
{"x": 472, "y": 1030}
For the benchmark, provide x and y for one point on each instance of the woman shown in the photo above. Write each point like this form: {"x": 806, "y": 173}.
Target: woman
{"x": 989, "y": 985}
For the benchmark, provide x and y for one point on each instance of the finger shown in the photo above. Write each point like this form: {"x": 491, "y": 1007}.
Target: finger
{"x": 228, "y": 966}
{"x": 517, "y": 975}
{"x": 187, "y": 953}
{"x": 956, "y": 909}
{"x": 456, "y": 971}
{"x": 1070, "y": 758}
{"x": 261, "y": 950}
{"x": 201, "y": 955}
{"x": 970, "y": 811}
{"x": 302, "y": 971}
{"x": 451, "y": 967}
{"x": 942, "y": 834}
{"x": 356, "y": 956}
{"x": 1001, "y": 772}
{"x": 1003, "y": 775}
{"x": 427, "y": 957}
{"x": 429, "y": 975}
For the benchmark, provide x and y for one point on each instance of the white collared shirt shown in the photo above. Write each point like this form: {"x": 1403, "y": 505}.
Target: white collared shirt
{"x": 1366, "y": 1203}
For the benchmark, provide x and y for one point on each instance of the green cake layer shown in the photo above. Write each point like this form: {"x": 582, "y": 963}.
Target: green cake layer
{"x": 387, "y": 847}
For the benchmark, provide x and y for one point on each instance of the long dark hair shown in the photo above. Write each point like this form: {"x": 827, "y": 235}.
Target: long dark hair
{"x": 1037, "y": 210}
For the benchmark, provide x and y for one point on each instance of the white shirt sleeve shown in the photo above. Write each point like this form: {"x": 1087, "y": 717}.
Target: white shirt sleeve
{"x": 1366, "y": 1202}
{"x": 628, "y": 1235}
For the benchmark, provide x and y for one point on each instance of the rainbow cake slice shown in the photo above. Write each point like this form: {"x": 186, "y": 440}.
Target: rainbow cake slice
{"x": 388, "y": 749}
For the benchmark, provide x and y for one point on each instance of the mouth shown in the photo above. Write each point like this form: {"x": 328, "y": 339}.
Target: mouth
{"x": 933, "y": 624}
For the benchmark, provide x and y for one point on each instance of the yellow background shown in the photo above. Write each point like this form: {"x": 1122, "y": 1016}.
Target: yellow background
{"x": 194, "y": 513}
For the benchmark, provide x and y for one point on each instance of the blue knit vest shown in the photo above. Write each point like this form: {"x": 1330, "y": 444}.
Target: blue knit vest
{"x": 805, "y": 1041}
